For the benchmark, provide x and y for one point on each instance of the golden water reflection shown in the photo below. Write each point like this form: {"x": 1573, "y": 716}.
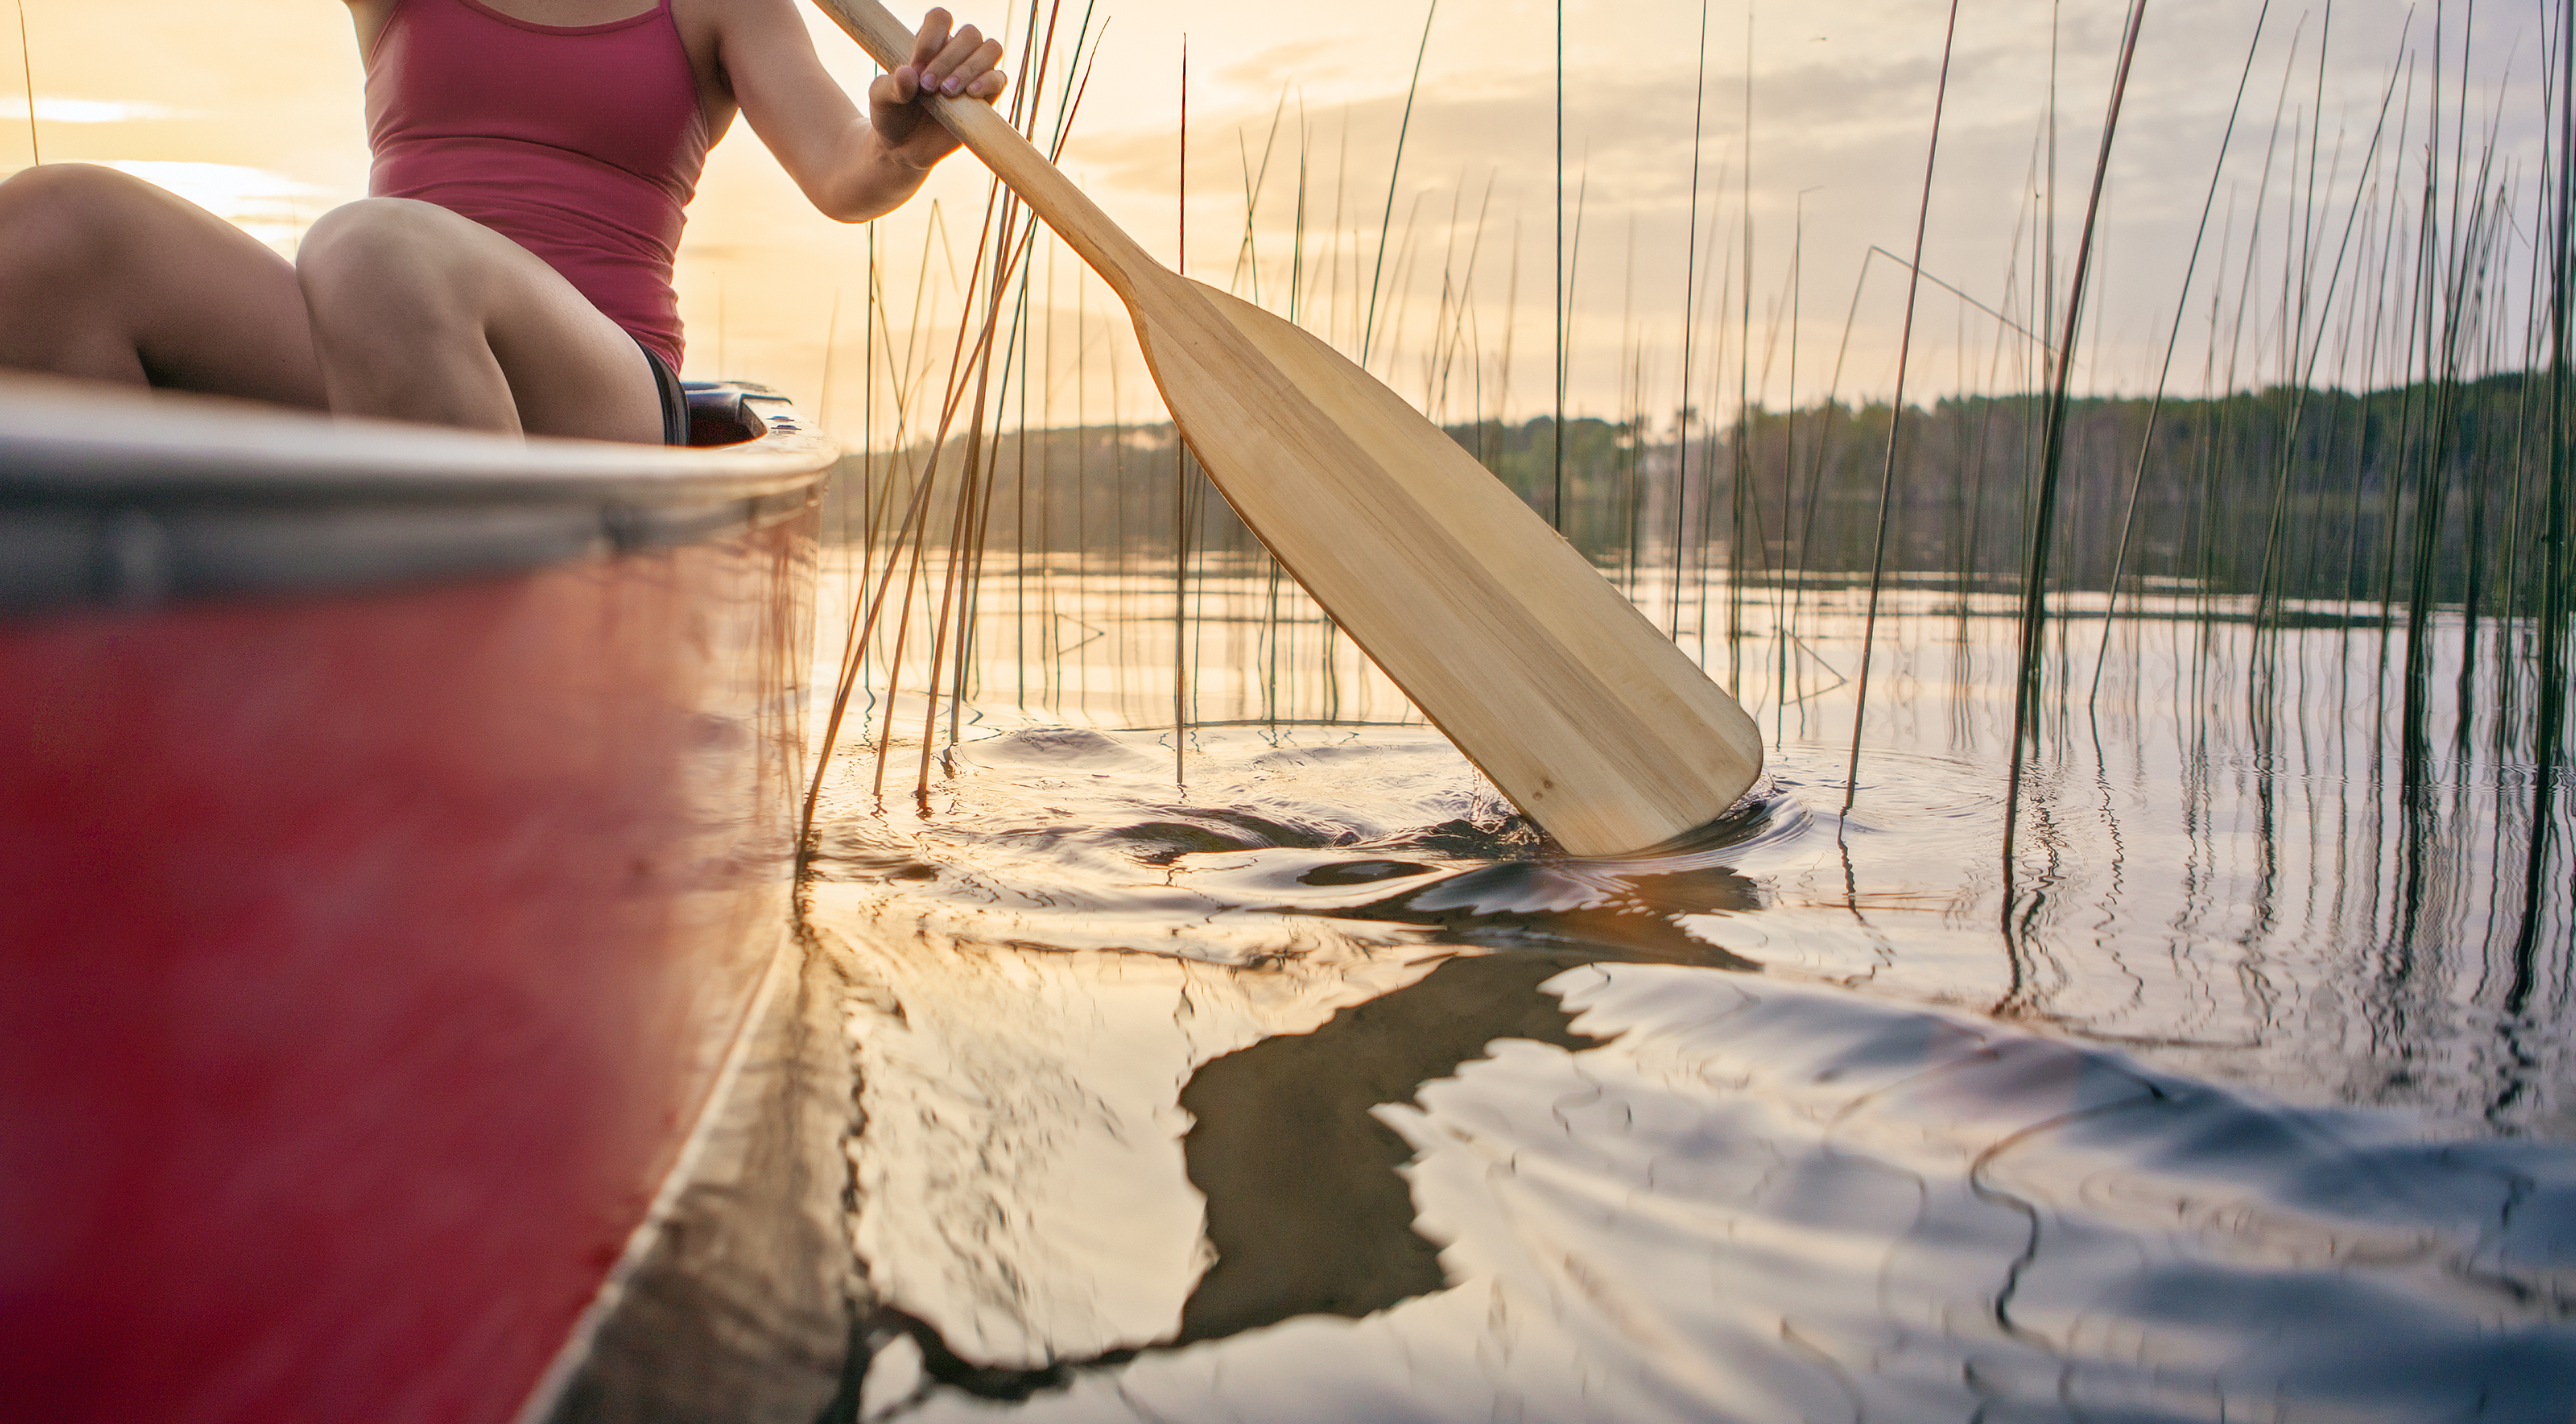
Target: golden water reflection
{"x": 1311, "y": 1086}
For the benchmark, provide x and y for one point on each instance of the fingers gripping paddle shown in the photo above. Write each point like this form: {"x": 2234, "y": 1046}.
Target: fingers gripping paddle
{"x": 1590, "y": 720}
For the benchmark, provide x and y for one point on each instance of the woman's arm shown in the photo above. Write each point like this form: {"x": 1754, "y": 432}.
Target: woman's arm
{"x": 851, "y": 167}
{"x": 370, "y": 18}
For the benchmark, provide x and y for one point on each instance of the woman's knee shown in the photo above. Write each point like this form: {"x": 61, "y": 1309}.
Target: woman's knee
{"x": 389, "y": 257}
{"x": 63, "y": 220}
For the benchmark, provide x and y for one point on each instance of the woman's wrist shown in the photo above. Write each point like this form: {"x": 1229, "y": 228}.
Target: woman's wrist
{"x": 881, "y": 182}
{"x": 897, "y": 158}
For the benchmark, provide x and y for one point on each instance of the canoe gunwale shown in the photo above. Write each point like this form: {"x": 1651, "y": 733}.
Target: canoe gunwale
{"x": 117, "y": 501}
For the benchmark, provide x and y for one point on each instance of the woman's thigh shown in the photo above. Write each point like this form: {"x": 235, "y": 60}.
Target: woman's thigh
{"x": 420, "y": 314}
{"x": 107, "y": 277}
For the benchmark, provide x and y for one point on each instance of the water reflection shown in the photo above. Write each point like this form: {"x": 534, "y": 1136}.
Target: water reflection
{"x": 1315, "y": 1087}
{"x": 1308, "y": 1212}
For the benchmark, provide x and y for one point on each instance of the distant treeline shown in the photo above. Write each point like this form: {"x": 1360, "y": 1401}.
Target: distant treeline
{"x": 2294, "y": 493}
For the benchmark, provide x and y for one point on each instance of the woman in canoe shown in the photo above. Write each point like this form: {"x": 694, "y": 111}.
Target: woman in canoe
{"x": 512, "y": 269}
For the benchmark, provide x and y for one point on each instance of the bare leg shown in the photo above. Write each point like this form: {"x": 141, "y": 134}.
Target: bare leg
{"x": 396, "y": 309}
{"x": 109, "y": 278}
{"x": 419, "y": 314}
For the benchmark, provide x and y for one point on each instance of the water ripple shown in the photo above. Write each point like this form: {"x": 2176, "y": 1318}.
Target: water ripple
{"x": 1323, "y": 1091}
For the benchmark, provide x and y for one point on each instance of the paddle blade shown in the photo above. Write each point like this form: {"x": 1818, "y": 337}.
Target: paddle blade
{"x": 1589, "y": 719}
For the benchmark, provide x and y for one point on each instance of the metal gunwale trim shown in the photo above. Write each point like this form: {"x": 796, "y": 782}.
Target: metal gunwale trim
{"x": 64, "y": 443}
{"x": 141, "y": 520}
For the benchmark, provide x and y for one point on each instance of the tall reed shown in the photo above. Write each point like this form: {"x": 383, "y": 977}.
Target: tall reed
{"x": 1896, "y": 412}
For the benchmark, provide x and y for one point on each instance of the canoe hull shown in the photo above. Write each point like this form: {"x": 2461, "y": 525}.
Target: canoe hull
{"x": 365, "y": 963}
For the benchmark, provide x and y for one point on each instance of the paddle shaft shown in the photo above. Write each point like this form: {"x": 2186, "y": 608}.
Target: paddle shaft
{"x": 1100, "y": 242}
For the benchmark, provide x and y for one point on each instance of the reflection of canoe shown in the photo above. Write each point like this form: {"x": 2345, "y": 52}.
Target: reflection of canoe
{"x": 397, "y": 832}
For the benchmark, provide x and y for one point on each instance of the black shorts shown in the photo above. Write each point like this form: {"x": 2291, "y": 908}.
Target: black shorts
{"x": 675, "y": 399}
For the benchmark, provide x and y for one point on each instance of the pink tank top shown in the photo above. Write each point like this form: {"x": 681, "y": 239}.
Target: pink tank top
{"x": 582, "y": 144}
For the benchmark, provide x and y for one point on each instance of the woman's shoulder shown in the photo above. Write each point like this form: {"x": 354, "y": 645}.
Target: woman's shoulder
{"x": 723, "y": 34}
{"x": 734, "y": 17}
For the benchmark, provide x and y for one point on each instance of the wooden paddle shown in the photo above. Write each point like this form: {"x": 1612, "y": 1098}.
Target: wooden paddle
{"x": 1590, "y": 720}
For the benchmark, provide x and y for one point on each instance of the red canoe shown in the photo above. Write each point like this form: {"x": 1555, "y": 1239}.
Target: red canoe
{"x": 396, "y": 832}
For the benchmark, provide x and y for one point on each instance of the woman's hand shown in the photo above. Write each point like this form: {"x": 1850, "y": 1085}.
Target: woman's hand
{"x": 851, "y": 168}
{"x": 958, "y": 65}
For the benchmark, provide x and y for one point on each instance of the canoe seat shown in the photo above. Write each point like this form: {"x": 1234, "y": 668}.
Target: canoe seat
{"x": 716, "y": 414}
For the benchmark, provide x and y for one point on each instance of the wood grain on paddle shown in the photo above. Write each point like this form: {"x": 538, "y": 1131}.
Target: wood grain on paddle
{"x": 1589, "y": 719}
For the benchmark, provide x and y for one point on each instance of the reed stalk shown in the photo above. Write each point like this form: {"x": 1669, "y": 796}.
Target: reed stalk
{"x": 27, "y": 71}
{"x": 1896, "y": 413}
{"x": 1740, "y": 476}
{"x": 1394, "y": 173}
{"x": 2173, "y": 341}
{"x": 2043, "y": 522}
{"x": 1690, "y": 328}
{"x": 2550, "y": 635}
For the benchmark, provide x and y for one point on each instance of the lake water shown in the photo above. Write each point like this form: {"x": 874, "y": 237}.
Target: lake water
{"x": 1296, "y": 1079}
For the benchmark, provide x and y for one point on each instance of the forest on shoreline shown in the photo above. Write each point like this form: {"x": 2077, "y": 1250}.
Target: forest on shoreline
{"x": 2289, "y": 492}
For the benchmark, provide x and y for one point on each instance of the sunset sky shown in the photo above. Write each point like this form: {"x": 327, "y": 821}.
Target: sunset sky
{"x": 252, "y": 107}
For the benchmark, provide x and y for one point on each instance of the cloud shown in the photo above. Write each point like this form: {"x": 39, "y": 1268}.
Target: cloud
{"x": 54, "y": 109}
{"x": 1307, "y": 59}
